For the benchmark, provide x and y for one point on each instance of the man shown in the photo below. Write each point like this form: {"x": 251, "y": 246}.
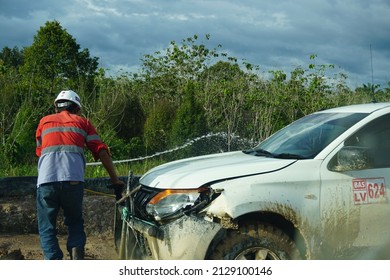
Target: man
{"x": 61, "y": 138}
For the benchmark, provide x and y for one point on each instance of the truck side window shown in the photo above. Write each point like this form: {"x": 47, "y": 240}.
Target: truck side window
{"x": 374, "y": 138}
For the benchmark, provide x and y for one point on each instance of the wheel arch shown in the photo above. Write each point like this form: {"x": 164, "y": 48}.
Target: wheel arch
{"x": 270, "y": 218}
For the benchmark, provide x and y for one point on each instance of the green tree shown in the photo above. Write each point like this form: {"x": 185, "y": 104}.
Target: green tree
{"x": 163, "y": 81}
{"x": 11, "y": 57}
{"x": 21, "y": 142}
{"x": 167, "y": 72}
{"x": 264, "y": 107}
{"x": 369, "y": 90}
{"x": 223, "y": 95}
{"x": 190, "y": 120}
{"x": 158, "y": 126}
{"x": 118, "y": 114}
{"x": 54, "y": 62}
{"x": 10, "y": 102}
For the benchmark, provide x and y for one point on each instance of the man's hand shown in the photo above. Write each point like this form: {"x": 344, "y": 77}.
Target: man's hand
{"x": 118, "y": 188}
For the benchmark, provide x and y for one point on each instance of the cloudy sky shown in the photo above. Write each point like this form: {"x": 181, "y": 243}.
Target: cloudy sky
{"x": 353, "y": 35}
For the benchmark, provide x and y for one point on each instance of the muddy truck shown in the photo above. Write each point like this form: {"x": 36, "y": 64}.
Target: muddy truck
{"x": 316, "y": 189}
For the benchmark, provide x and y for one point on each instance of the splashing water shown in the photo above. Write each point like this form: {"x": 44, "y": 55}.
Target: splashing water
{"x": 205, "y": 144}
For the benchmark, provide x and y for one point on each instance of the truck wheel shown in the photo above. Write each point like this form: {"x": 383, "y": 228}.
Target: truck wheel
{"x": 256, "y": 242}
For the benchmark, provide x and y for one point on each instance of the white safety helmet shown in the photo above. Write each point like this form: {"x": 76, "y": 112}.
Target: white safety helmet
{"x": 65, "y": 96}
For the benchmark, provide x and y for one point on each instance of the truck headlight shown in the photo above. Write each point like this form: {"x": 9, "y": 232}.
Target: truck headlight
{"x": 170, "y": 203}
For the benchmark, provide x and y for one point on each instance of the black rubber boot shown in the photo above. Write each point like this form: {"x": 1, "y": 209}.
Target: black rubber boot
{"x": 77, "y": 253}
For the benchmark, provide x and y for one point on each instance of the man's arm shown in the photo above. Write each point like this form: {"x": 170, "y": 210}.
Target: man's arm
{"x": 109, "y": 166}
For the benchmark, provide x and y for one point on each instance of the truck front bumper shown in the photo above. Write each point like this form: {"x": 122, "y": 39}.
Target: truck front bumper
{"x": 187, "y": 238}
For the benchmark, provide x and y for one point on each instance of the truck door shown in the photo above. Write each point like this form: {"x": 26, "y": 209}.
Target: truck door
{"x": 354, "y": 201}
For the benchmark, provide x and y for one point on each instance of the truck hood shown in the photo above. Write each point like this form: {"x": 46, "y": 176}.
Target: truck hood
{"x": 198, "y": 171}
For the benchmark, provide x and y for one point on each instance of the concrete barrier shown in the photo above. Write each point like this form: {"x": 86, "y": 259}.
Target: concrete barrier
{"x": 26, "y": 185}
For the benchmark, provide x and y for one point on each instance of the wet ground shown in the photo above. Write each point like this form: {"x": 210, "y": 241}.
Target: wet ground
{"x": 26, "y": 247}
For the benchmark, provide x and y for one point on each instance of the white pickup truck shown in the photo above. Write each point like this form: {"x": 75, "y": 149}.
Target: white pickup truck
{"x": 316, "y": 189}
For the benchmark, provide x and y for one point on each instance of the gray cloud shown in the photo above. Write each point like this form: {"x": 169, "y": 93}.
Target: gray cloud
{"x": 273, "y": 34}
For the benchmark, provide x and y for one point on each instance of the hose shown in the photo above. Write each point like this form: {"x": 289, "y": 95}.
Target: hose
{"x": 99, "y": 193}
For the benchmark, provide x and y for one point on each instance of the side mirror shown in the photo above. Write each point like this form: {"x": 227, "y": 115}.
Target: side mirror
{"x": 351, "y": 158}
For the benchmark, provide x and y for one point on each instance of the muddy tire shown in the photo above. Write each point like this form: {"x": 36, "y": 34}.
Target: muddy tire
{"x": 256, "y": 242}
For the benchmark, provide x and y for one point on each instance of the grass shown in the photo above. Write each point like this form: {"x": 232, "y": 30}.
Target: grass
{"x": 123, "y": 169}
{"x": 94, "y": 171}
{"x": 19, "y": 170}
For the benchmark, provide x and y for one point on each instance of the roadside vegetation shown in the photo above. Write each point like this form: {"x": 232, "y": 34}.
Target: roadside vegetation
{"x": 186, "y": 91}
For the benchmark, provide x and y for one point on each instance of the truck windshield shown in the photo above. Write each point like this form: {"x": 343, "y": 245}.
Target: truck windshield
{"x": 306, "y": 137}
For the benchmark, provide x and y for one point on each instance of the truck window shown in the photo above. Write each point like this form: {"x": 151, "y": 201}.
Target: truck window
{"x": 374, "y": 140}
{"x": 309, "y": 135}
